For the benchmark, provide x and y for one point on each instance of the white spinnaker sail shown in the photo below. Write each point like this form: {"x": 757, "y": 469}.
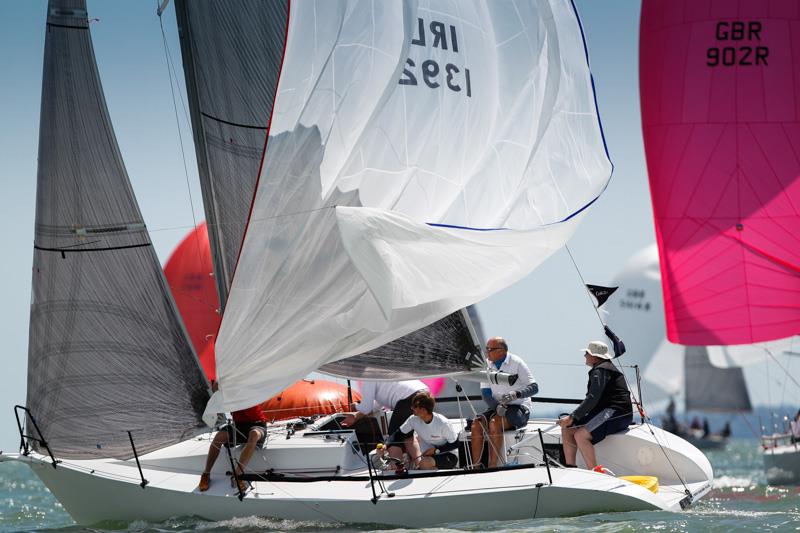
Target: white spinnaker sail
{"x": 421, "y": 157}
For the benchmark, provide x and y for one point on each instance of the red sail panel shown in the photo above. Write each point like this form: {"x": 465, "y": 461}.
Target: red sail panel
{"x": 190, "y": 275}
{"x": 720, "y": 96}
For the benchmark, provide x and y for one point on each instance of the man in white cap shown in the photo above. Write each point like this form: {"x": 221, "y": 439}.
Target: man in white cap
{"x": 607, "y": 408}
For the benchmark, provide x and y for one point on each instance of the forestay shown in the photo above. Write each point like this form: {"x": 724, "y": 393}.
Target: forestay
{"x": 419, "y": 160}
{"x": 107, "y": 353}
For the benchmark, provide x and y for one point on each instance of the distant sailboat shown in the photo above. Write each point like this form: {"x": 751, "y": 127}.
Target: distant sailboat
{"x": 720, "y": 95}
{"x": 670, "y": 370}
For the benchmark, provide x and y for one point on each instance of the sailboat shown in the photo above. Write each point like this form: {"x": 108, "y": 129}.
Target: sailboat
{"x": 392, "y": 183}
{"x": 671, "y": 370}
{"x": 719, "y": 90}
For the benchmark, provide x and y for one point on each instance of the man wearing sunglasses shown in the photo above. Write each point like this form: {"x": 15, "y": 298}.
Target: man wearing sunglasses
{"x": 509, "y": 405}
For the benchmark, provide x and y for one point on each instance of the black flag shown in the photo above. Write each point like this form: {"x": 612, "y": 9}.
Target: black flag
{"x": 601, "y": 293}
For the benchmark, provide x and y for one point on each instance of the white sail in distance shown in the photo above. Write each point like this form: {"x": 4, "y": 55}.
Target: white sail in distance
{"x": 421, "y": 156}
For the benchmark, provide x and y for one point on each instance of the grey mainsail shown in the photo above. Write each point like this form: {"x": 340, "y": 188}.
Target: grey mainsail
{"x": 709, "y": 388}
{"x": 107, "y": 352}
{"x": 231, "y": 59}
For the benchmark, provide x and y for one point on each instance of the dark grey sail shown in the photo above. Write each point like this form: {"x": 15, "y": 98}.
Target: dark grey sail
{"x": 107, "y": 352}
{"x": 232, "y": 54}
{"x": 709, "y": 388}
{"x": 447, "y": 346}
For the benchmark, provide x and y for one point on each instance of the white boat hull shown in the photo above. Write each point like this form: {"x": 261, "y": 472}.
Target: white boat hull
{"x": 782, "y": 464}
{"x": 99, "y": 490}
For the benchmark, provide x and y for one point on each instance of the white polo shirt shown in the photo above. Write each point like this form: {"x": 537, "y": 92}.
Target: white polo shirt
{"x": 513, "y": 364}
{"x": 386, "y": 393}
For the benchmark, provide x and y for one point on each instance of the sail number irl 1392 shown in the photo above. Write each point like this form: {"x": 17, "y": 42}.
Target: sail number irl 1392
{"x": 739, "y": 44}
{"x": 434, "y": 73}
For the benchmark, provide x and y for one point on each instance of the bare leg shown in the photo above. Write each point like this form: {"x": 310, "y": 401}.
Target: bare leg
{"x": 497, "y": 425}
{"x": 584, "y": 441}
{"x": 412, "y": 449}
{"x": 396, "y": 452}
{"x": 427, "y": 463}
{"x": 478, "y": 430}
{"x": 252, "y": 440}
{"x": 213, "y": 450}
{"x": 570, "y": 448}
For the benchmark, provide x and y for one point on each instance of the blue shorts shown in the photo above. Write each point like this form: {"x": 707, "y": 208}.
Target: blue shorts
{"x": 517, "y": 415}
{"x": 606, "y": 422}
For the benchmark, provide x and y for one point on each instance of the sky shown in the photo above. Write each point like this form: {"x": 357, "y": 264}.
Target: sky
{"x": 547, "y": 318}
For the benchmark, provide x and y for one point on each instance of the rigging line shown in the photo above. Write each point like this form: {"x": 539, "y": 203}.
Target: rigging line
{"x": 786, "y": 371}
{"x": 756, "y": 434}
{"x": 597, "y": 312}
{"x": 171, "y": 63}
{"x": 172, "y": 83}
{"x": 633, "y": 395}
{"x": 785, "y": 382}
{"x": 769, "y": 393}
{"x": 552, "y": 363}
{"x": 583, "y": 281}
{"x": 648, "y": 422}
{"x": 180, "y": 135}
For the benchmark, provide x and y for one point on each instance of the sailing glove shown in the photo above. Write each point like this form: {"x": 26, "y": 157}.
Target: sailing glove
{"x": 509, "y": 397}
{"x": 500, "y": 410}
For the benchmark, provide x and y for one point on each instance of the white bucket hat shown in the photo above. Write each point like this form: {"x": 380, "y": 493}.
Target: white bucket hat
{"x": 598, "y": 349}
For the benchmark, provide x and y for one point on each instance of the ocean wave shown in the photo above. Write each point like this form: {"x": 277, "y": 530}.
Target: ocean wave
{"x": 734, "y": 482}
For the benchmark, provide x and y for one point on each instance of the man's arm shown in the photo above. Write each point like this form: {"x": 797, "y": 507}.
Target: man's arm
{"x": 598, "y": 379}
{"x": 451, "y": 436}
{"x": 367, "y": 403}
{"x": 527, "y": 381}
{"x": 364, "y": 407}
{"x": 531, "y": 390}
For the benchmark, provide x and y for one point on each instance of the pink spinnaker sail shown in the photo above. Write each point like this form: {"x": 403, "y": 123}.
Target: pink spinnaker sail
{"x": 720, "y": 95}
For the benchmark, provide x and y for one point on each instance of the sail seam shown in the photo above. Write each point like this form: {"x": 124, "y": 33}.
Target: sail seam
{"x": 229, "y": 123}
{"x": 105, "y": 249}
{"x": 54, "y": 25}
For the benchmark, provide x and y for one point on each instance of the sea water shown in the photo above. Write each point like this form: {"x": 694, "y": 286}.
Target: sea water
{"x": 740, "y": 501}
